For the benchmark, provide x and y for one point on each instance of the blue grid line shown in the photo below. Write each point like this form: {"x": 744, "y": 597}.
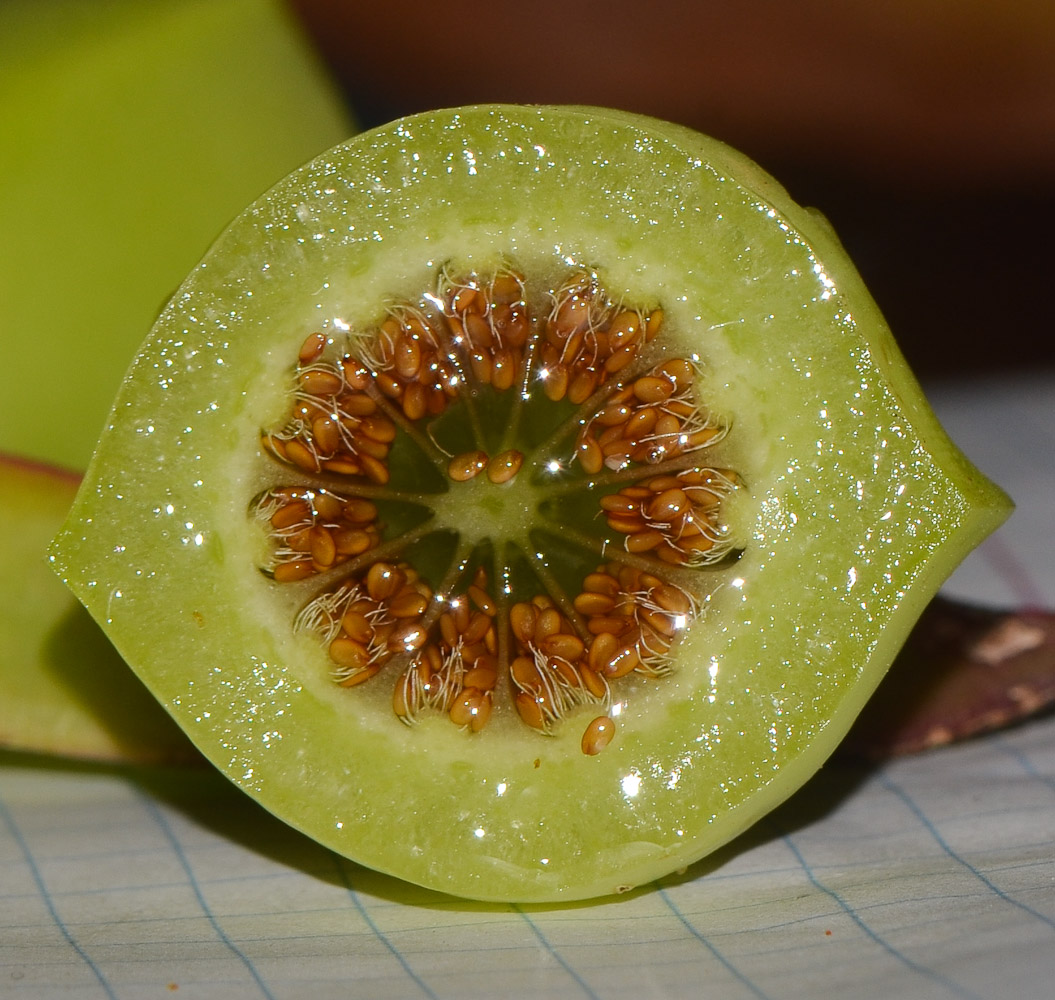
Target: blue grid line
{"x": 159, "y": 817}
{"x": 1022, "y": 759}
{"x": 709, "y": 945}
{"x": 556, "y": 955}
{"x": 346, "y": 881}
{"x": 921, "y": 970}
{"x": 38, "y": 878}
{"x": 895, "y": 789}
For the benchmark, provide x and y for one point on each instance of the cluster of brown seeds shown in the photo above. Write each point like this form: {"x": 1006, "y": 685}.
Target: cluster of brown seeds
{"x": 490, "y": 323}
{"x": 369, "y": 619}
{"x": 633, "y": 617}
{"x": 336, "y": 426}
{"x": 674, "y": 517}
{"x": 313, "y": 530}
{"x": 553, "y": 671}
{"x": 454, "y": 653}
{"x": 588, "y": 338}
{"x": 411, "y": 364}
{"x": 649, "y": 420}
{"x": 457, "y": 669}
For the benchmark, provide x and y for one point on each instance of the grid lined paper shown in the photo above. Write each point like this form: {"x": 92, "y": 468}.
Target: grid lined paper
{"x": 930, "y": 877}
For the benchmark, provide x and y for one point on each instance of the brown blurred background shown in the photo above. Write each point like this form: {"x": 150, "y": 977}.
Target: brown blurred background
{"x": 924, "y": 129}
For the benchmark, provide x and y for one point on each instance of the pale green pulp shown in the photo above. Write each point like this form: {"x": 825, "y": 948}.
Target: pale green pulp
{"x": 856, "y": 504}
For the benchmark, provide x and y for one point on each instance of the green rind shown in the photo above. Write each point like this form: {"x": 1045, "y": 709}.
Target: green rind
{"x": 857, "y": 505}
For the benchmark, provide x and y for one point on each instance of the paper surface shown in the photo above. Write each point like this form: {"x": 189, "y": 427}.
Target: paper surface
{"x": 929, "y": 877}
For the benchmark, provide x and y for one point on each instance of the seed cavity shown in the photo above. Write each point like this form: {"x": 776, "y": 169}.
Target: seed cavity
{"x": 454, "y": 384}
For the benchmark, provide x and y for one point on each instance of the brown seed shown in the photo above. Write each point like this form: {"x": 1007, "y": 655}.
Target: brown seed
{"x": 357, "y": 626}
{"x": 616, "y": 624}
{"x": 356, "y": 375}
{"x": 592, "y": 603}
{"x": 323, "y": 549}
{"x": 620, "y": 359}
{"x": 467, "y": 465}
{"x": 619, "y": 503}
{"x": 448, "y": 630}
{"x": 590, "y": 455}
{"x": 641, "y": 423}
{"x": 503, "y": 369}
{"x": 374, "y": 469}
{"x": 623, "y": 662}
{"x": 383, "y": 580}
{"x": 655, "y": 321}
{"x": 522, "y": 618}
{"x": 653, "y": 388}
{"x": 669, "y": 505}
{"x": 525, "y": 674}
{"x": 407, "y": 357}
{"x": 471, "y": 708}
{"x": 351, "y": 541}
{"x": 406, "y": 636}
{"x": 415, "y": 401}
{"x": 477, "y": 628}
{"x": 287, "y": 572}
{"x": 672, "y": 599}
{"x": 680, "y": 371}
{"x": 598, "y": 735}
{"x": 316, "y": 382}
{"x": 368, "y": 446}
{"x": 548, "y": 623}
{"x": 357, "y": 404}
{"x": 625, "y": 329}
{"x": 482, "y": 677}
{"x": 600, "y": 583}
{"x": 582, "y": 386}
{"x": 289, "y": 514}
{"x": 311, "y": 348}
{"x": 378, "y": 428}
{"x": 506, "y": 288}
{"x": 359, "y": 511}
{"x": 642, "y": 541}
{"x": 555, "y": 382}
{"x": 660, "y": 622}
{"x": 359, "y": 676}
{"x": 504, "y": 466}
{"x": 407, "y": 604}
{"x": 593, "y": 682}
{"x": 326, "y": 505}
{"x": 482, "y": 600}
{"x": 602, "y": 649}
{"x": 479, "y": 331}
{"x": 566, "y": 646}
{"x": 301, "y": 456}
{"x": 347, "y": 652}
{"x": 530, "y": 710}
{"x": 480, "y": 363}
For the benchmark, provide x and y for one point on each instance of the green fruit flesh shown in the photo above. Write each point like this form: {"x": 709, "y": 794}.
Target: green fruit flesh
{"x": 843, "y": 507}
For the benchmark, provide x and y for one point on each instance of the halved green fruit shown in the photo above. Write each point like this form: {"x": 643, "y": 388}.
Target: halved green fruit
{"x": 285, "y": 576}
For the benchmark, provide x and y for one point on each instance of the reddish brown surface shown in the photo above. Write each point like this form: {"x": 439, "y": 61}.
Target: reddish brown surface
{"x": 964, "y": 670}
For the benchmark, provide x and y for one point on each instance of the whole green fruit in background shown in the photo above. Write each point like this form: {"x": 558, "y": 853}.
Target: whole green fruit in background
{"x": 847, "y": 505}
{"x": 130, "y": 134}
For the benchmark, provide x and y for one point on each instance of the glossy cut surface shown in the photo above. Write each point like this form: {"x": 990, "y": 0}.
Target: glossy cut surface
{"x": 854, "y": 505}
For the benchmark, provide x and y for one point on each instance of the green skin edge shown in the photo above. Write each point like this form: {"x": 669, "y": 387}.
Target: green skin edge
{"x": 856, "y": 504}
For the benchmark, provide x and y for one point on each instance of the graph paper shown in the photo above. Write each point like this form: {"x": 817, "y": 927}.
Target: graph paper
{"x": 932, "y": 876}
